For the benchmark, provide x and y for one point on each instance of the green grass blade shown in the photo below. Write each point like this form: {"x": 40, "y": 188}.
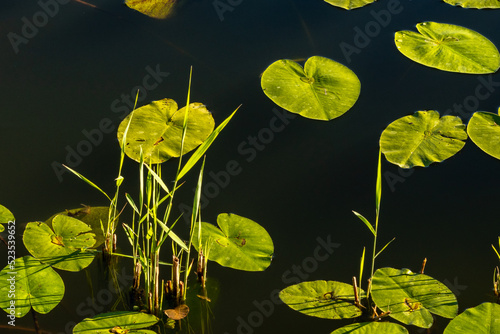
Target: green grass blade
{"x": 378, "y": 189}
{"x": 196, "y": 205}
{"x": 131, "y": 202}
{"x": 130, "y": 233}
{"x": 172, "y": 235}
{"x": 158, "y": 179}
{"x": 387, "y": 244}
{"x": 496, "y": 251}
{"x": 367, "y": 223}
{"x": 87, "y": 181}
{"x": 362, "y": 267}
{"x": 200, "y": 151}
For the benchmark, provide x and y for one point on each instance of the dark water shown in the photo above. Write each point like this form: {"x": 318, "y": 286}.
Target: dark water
{"x": 75, "y": 73}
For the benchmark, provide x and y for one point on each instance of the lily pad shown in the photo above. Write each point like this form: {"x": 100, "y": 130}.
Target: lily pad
{"x": 411, "y": 297}
{"x": 479, "y": 4}
{"x": 484, "y": 131}
{"x": 5, "y": 217}
{"x": 482, "y": 319}
{"x": 157, "y": 9}
{"x": 240, "y": 243}
{"x": 117, "y": 322}
{"x": 35, "y": 285}
{"x": 322, "y": 90}
{"x": 449, "y": 48}
{"x": 350, "y": 4}
{"x": 156, "y": 129}
{"x": 372, "y": 328}
{"x": 64, "y": 247}
{"x": 90, "y": 215}
{"x": 422, "y": 138}
{"x": 322, "y": 299}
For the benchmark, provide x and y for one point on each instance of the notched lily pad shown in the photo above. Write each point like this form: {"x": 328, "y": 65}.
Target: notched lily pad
{"x": 482, "y": 319}
{"x": 156, "y": 130}
{"x": 422, "y": 138}
{"x": 240, "y": 243}
{"x": 322, "y": 90}
{"x": 350, "y": 4}
{"x": 478, "y": 4}
{"x": 5, "y": 217}
{"x": 117, "y": 322}
{"x": 412, "y": 297}
{"x": 65, "y": 246}
{"x": 484, "y": 131}
{"x": 28, "y": 283}
{"x": 449, "y": 48}
{"x": 322, "y": 299}
{"x": 90, "y": 215}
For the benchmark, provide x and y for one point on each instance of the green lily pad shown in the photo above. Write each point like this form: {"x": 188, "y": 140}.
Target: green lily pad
{"x": 157, "y": 9}
{"x": 484, "y": 131}
{"x": 36, "y": 285}
{"x": 64, "y": 247}
{"x": 117, "y": 322}
{"x": 350, "y": 4}
{"x": 92, "y": 216}
{"x": 322, "y": 90}
{"x": 482, "y": 319}
{"x": 479, "y": 4}
{"x": 449, "y": 48}
{"x": 240, "y": 243}
{"x": 372, "y": 328}
{"x": 411, "y": 297}
{"x": 322, "y": 299}
{"x": 5, "y": 217}
{"x": 422, "y": 138}
{"x": 156, "y": 129}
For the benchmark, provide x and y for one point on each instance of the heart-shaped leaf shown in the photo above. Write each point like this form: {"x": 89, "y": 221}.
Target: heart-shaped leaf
{"x": 156, "y": 129}
{"x": 117, "y": 322}
{"x": 372, "y": 328}
{"x": 323, "y": 89}
{"x": 28, "y": 283}
{"x": 484, "y": 131}
{"x": 64, "y": 247}
{"x": 350, "y": 4}
{"x": 93, "y": 216}
{"x": 479, "y": 4}
{"x": 422, "y": 138}
{"x": 157, "y": 9}
{"x": 240, "y": 243}
{"x": 322, "y": 299}
{"x": 5, "y": 217}
{"x": 482, "y": 319}
{"x": 411, "y": 297}
{"x": 449, "y": 48}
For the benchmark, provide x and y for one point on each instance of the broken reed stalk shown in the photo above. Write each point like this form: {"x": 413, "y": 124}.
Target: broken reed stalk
{"x": 423, "y": 265}
{"x": 200, "y": 270}
{"x": 176, "y": 276}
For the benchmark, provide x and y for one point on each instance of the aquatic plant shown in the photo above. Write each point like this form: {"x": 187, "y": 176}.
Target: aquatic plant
{"x": 324, "y": 89}
{"x": 350, "y": 4}
{"x": 157, "y": 9}
{"x": 422, "y": 138}
{"x": 478, "y": 4}
{"x": 449, "y": 47}
{"x": 400, "y": 294}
